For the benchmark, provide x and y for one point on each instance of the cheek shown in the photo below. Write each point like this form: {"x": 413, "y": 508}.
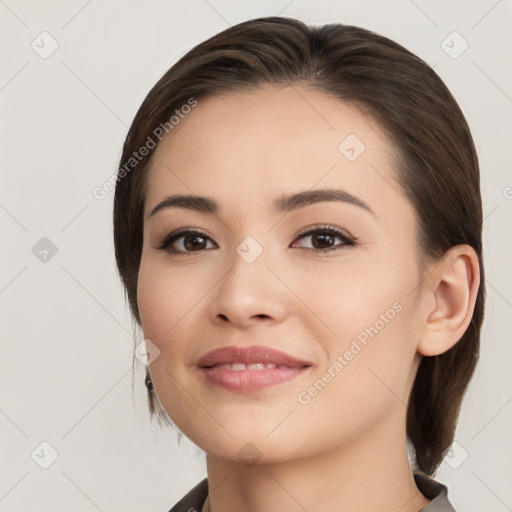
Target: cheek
{"x": 346, "y": 297}
{"x": 165, "y": 297}
{"x": 167, "y": 300}
{"x": 155, "y": 305}
{"x": 366, "y": 314}
{"x": 367, "y": 378}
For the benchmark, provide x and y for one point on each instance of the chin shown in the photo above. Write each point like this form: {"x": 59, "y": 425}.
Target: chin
{"x": 248, "y": 443}
{"x": 248, "y": 452}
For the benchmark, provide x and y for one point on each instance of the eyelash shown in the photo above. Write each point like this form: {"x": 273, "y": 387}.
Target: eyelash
{"x": 348, "y": 241}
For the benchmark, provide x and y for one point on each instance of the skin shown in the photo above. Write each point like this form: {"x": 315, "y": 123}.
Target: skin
{"x": 346, "y": 448}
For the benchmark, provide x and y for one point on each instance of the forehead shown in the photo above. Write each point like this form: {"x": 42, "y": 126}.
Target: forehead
{"x": 268, "y": 141}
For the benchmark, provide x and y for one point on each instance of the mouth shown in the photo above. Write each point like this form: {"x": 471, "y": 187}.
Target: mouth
{"x": 249, "y": 369}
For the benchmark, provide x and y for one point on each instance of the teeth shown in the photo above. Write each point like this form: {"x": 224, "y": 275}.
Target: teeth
{"x": 255, "y": 366}
{"x": 237, "y": 367}
{"x": 223, "y": 366}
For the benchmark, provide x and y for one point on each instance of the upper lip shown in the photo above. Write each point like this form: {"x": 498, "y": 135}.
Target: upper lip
{"x": 249, "y": 355}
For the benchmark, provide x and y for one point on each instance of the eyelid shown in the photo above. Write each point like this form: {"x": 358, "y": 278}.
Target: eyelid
{"x": 171, "y": 237}
{"x": 348, "y": 239}
{"x": 325, "y": 227}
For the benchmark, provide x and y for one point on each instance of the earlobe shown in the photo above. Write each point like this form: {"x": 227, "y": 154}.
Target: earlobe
{"x": 454, "y": 284}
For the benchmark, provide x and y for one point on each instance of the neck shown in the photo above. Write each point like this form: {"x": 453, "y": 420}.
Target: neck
{"x": 372, "y": 473}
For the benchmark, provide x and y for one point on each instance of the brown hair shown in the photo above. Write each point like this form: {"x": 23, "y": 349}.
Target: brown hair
{"x": 437, "y": 166}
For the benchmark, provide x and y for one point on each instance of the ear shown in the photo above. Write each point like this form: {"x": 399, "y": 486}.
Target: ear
{"x": 452, "y": 288}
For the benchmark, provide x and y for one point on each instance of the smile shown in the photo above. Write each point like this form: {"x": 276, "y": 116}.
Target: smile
{"x": 249, "y": 369}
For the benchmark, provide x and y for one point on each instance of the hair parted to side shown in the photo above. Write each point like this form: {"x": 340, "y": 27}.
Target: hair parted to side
{"x": 436, "y": 158}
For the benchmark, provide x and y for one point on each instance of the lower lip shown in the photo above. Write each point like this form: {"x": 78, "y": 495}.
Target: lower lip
{"x": 247, "y": 381}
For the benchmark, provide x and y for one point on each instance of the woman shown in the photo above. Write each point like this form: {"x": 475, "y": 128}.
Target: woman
{"x": 297, "y": 225}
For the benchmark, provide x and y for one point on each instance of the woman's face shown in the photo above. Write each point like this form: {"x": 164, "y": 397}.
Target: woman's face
{"x": 256, "y": 275}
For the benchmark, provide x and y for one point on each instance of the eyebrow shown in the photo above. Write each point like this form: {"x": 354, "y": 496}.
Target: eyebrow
{"x": 283, "y": 204}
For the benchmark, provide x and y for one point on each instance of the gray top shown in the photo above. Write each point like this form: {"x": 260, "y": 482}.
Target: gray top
{"x": 196, "y": 499}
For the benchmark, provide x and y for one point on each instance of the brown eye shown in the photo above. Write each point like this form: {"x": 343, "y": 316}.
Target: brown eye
{"x": 185, "y": 241}
{"x": 323, "y": 239}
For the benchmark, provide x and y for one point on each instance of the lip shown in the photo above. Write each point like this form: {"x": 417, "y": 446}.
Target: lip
{"x": 213, "y": 366}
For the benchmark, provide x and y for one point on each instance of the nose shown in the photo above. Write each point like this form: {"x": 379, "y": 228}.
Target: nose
{"x": 249, "y": 294}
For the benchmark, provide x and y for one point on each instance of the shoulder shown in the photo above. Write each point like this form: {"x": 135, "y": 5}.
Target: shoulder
{"x": 434, "y": 491}
{"x": 194, "y": 500}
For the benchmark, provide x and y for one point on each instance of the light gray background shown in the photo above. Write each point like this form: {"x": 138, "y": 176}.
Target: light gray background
{"x": 65, "y": 370}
